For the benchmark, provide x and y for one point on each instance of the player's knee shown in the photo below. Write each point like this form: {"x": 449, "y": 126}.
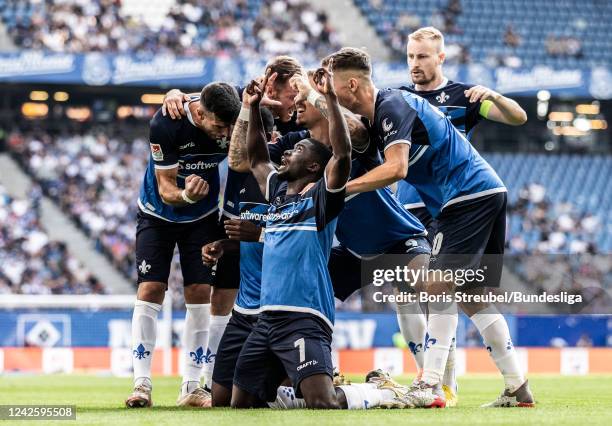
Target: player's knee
{"x": 221, "y": 396}
{"x": 197, "y": 293}
{"x": 151, "y": 292}
{"x": 222, "y": 301}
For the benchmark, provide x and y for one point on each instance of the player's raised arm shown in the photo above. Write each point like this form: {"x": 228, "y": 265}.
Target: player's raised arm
{"x": 257, "y": 147}
{"x": 338, "y": 168}
{"x": 392, "y": 170}
{"x": 237, "y": 155}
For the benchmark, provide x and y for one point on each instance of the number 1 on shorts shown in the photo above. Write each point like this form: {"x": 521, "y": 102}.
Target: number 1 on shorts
{"x": 300, "y": 343}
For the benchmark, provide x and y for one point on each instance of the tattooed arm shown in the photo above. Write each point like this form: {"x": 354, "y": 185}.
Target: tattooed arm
{"x": 237, "y": 157}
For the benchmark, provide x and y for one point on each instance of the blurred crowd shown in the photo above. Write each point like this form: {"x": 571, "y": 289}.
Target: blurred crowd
{"x": 188, "y": 28}
{"x": 95, "y": 177}
{"x": 552, "y": 248}
{"x": 539, "y": 226}
{"x": 32, "y": 263}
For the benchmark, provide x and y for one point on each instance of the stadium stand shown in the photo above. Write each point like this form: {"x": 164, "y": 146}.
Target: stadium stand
{"x": 559, "y": 200}
{"x": 560, "y": 34}
{"x": 30, "y": 262}
{"x": 95, "y": 177}
{"x": 181, "y": 27}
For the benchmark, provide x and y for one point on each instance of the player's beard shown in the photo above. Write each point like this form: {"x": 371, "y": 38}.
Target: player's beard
{"x": 422, "y": 78}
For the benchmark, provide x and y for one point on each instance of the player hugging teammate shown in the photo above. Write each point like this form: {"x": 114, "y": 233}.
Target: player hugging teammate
{"x": 342, "y": 143}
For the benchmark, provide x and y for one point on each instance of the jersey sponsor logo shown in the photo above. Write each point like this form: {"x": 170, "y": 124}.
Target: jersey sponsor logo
{"x": 283, "y": 215}
{"x": 253, "y": 216}
{"x": 156, "y": 152}
{"x": 200, "y": 165}
{"x": 442, "y": 97}
{"x": 387, "y": 125}
{"x": 187, "y": 145}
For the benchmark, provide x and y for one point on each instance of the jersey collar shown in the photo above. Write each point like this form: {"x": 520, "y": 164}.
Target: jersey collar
{"x": 188, "y": 112}
{"x": 443, "y": 84}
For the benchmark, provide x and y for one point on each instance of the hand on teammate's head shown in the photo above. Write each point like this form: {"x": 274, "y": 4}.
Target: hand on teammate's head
{"x": 301, "y": 84}
{"x": 324, "y": 81}
{"x": 173, "y": 104}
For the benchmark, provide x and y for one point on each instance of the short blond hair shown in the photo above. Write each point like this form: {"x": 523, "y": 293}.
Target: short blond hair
{"x": 428, "y": 33}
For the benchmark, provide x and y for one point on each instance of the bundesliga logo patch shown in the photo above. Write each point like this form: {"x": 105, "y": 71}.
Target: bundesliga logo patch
{"x": 156, "y": 151}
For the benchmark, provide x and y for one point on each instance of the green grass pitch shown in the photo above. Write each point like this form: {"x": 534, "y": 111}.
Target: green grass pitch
{"x": 99, "y": 400}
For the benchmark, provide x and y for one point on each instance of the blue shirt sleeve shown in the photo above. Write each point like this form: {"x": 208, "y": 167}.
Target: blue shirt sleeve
{"x": 328, "y": 204}
{"x": 162, "y": 135}
{"x": 274, "y": 187}
{"x": 231, "y": 196}
{"x": 395, "y": 120}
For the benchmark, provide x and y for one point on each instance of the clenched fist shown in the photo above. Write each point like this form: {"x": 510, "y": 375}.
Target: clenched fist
{"x": 196, "y": 188}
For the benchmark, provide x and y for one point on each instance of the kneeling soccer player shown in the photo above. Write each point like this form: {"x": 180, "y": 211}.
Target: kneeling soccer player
{"x": 297, "y": 304}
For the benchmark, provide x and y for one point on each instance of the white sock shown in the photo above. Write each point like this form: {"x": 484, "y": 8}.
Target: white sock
{"x": 441, "y": 329}
{"x": 494, "y": 330}
{"x": 144, "y": 333}
{"x": 413, "y": 326}
{"x": 286, "y": 399}
{"x": 195, "y": 340}
{"x": 450, "y": 378}
{"x": 217, "y": 327}
{"x": 362, "y": 396}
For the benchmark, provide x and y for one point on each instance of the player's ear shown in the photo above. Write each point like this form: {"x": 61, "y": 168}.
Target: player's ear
{"x": 441, "y": 57}
{"x": 314, "y": 167}
{"x": 353, "y": 84}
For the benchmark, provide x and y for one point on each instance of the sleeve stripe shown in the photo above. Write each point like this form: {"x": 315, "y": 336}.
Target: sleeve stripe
{"x": 162, "y": 167}
{"x": 333, "y": 191}
{"x": 404, "y": 141}
{"x": 267, "y": 194}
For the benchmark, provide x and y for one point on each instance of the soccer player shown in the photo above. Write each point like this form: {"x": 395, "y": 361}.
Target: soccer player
{"x": 384, "y": 226}
{"x": 465, "y": 105}
{"x": 460, "y": 190}
{"x": 246, "y": 210}
{"x": 178, "y": 206}
{"x": 371, "y": 224}
{"x": 279, "y": 99}
{"x": 297, "y": 304}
